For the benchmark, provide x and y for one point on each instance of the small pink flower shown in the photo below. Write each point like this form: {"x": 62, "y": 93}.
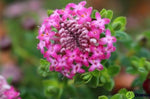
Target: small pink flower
{"x": 95, "y": 64}
{"x": 53, "y": 64}
{"x": 77, "y": 68}
{"x": 11, "y": 93}
{"x": 80, "y": 6}
{"x": 7, "y": 91}
{"x": 65, "y": 14}
{"x": 84, "y": 15}
{"x": 95, "y": 33}
{"x": 47, "y": 36}
{"x": 55, "y": 14}
{"x": 62, "y": 63}
{"x": 42, "y": 29}
{"x": 67, "y": 73}
{"x": 52, "y": 50}
{"x": 84, "y": 59}
{"x": 75, "y": 7}
{"x": 41, "y": 46}
{"x": 99, "y": 22}
{"x": 52, "y": 22}
{"x": 73, "y": 56}
{"x": 3, "y": 84}
{"x": 108, "y": 51}
{"x": 98, "y": 52}
{"x": 108, "y": 39}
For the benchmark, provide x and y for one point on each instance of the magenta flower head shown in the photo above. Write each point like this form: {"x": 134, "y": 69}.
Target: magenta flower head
{"x": 7, "y": 91}
{"x": 71, "y": 40}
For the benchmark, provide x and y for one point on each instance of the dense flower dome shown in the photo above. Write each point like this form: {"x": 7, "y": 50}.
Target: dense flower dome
{"x": 71, "y": 40}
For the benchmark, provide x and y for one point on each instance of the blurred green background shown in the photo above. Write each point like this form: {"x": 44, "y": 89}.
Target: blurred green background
{"x": 20, "y": 59}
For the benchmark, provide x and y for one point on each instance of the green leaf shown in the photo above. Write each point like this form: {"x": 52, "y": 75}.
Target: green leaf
{"x": 50, "y": 83}
{"x": 103, "y": 97}
{"x": 103, "y": 12}
{"x": 137, "y": 82}
{"x": 49, "y": 12}
{"x": 142, "y": 70}
{"x": 94, "y": 82}
{"x": 93, "y": 14}
{"x": 125, "y": 61}
{"x": 105, "y": 74}
{"x": 116, "y": 26}
{"x": 78, "y": 80}
{"x": 109, "y": 85}
{"x": 111, "y": 29}
{"x": 44, "y": 62}
{"x": 117, "y": 96}
{"x": 134, "y": 58}
{"x": 121, "y": 21}
{"x": 122, "y": 36}
{"x": 51, "y": 91}
{"x": 9, "y": 80}
{"x": 109, "y": 14}
{"x": 130, "y": 95}
{"x": 54, "y": 29}
{"x": 123, "y": 91}
{"x": 60, "y": 93}
{"x": 106, "y": 13}
{"x": 95, "y": 73}
{"x": 102, "y": 78}
{"x": 147, "y": 34}
{"x": 113, "y": 70}
{"x": 123, "y": 94}
{"x": 147, "y": 65}
{"x": 144, "y": 53}
{"x": 44, "y": 68}
{"x": 87, "y": 77}
{"x": 142, "y": 62}
{"x": 131, "y": 70}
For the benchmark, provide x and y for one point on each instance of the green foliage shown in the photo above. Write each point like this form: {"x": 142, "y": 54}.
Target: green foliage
{"x": 122, "y": 36}
{"x": 109, "y": 85}
{"x": 122, "y": 94}
{"x": 139, "y": 66}
{"x": 93, "y": 14}
{"x": 145, "y": 40}
{"x": 102, "y": 97}
{"x": 49, "y": 12}
{"x": 119, "y": 24}
{"x": 52, "y": 88}
{"x": 113, "y": 70}
{"x": 109, "y": 14}
{"x": 99, "y": 78}
{"x": 31, "y": 93}
{"x": 103, "y": 12}
{"x": 9, "y": 80}
{"x": 44, "y": 68}
{"x": 147, "y": 34}
{"x": 106, "y": 13}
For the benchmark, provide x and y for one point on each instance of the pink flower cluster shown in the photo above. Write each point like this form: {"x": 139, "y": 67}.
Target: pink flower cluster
{"x": 71, "y": 40}
{"x": 7, "y": 91}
